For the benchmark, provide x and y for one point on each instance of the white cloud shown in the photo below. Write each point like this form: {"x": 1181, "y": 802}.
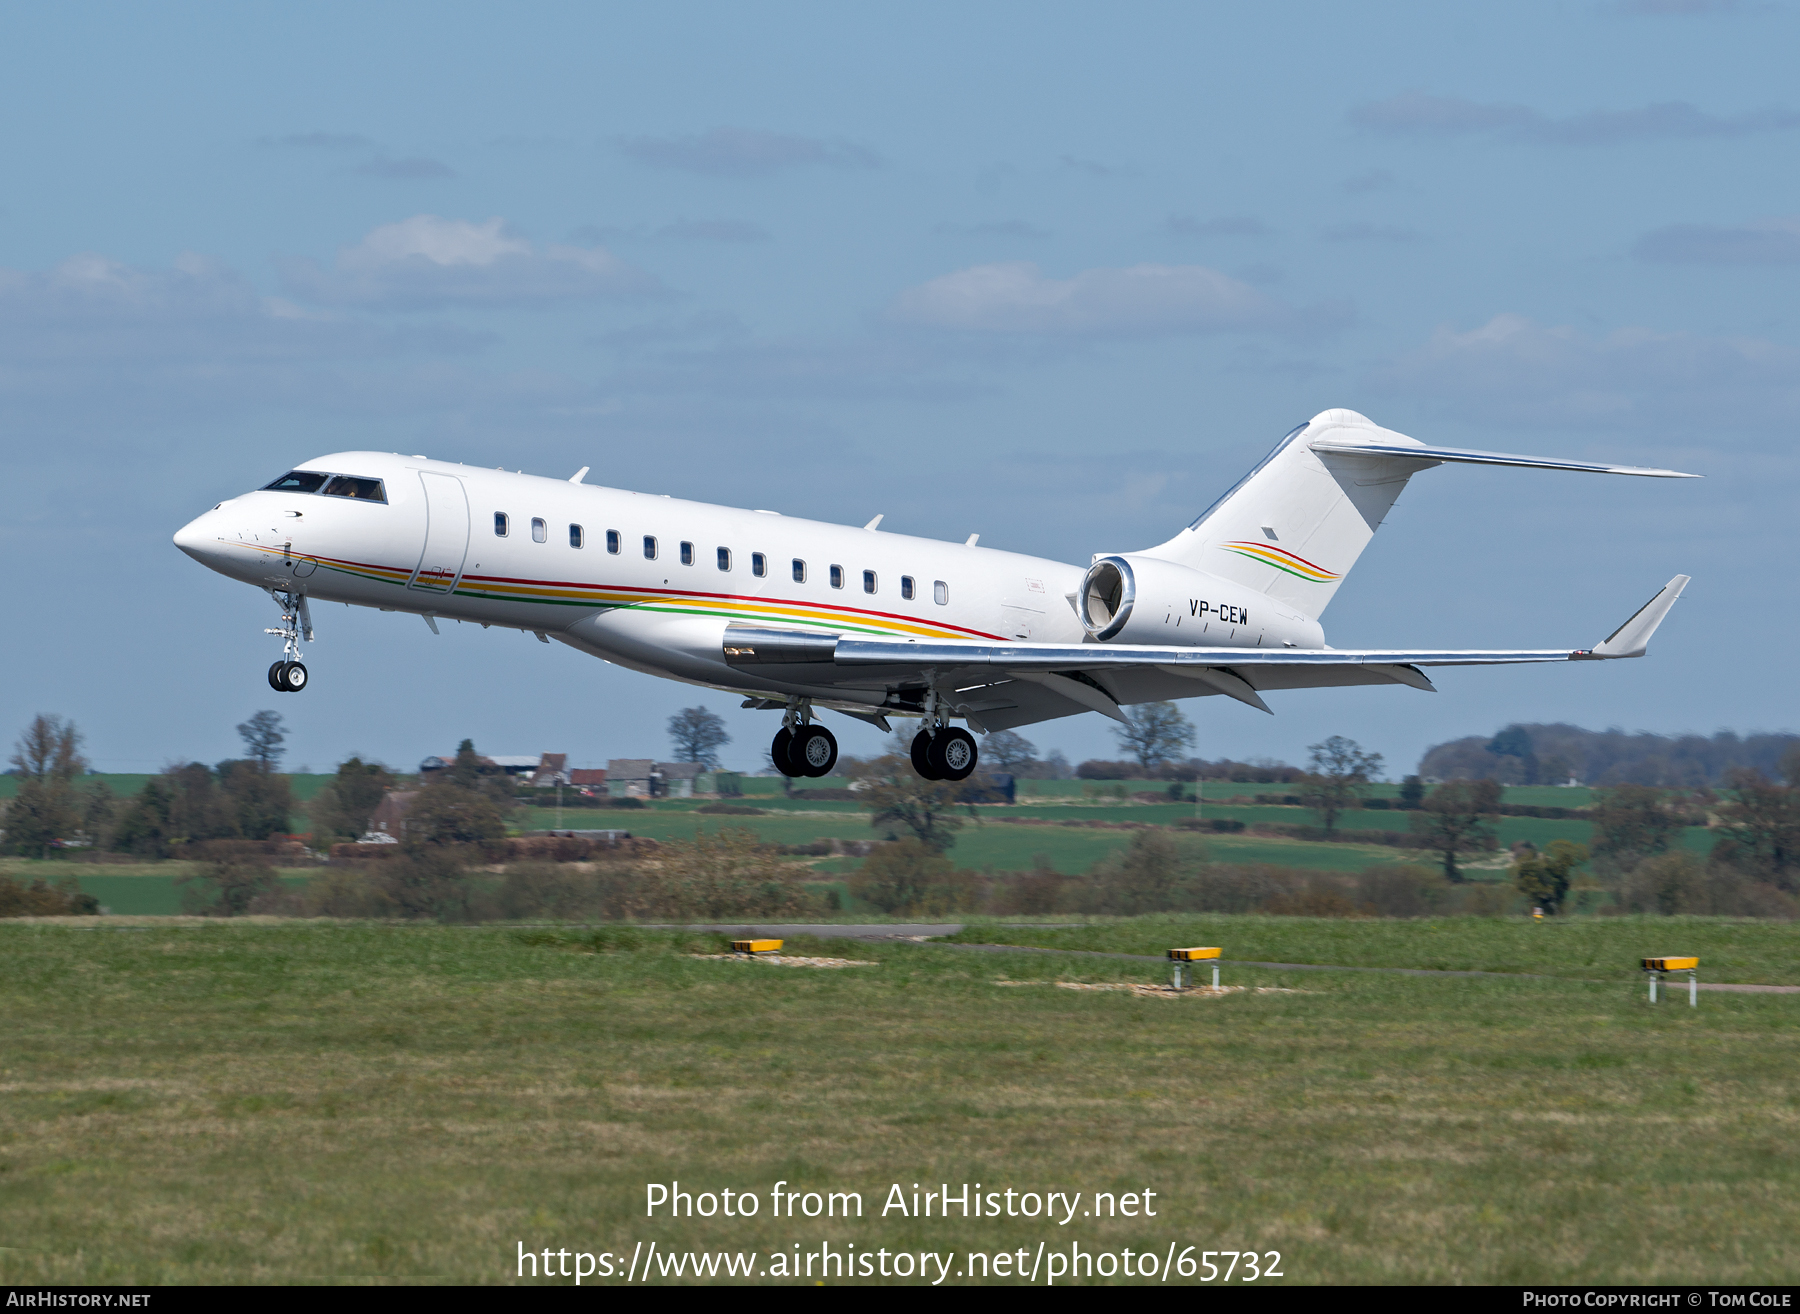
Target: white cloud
{"x": 1420, "y": 114}
{"x": 1144, "y": 299}
{"x": 746, "y": 152}
{"x": 1760, "y": 242}
{"x": 428, "y": 262}
{"x": 1516, "y": 369}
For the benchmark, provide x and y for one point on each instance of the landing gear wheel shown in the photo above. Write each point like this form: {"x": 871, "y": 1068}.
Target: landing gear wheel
{"x": 778, "y": 752}
{"x": 921, "y": 757}
{"x": 952, "y": 754}
{"x": 814, "y": 751}
{"x": 292, "y": 677}
{"x": 275, "y": 676}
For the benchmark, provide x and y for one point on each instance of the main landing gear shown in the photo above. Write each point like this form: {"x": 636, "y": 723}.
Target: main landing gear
{"x": 288, "y": 675}
{"x": 944, "y": 753}
{"x": 802, "y": 748}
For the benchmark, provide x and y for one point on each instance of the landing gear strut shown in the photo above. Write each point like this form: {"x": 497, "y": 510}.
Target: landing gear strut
{"x": 288, "y": 675}
{"x": 941, "y": 751}
{"x": 801, "y": 748}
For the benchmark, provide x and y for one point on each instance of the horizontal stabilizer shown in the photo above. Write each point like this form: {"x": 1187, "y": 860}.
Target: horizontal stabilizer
{"x": 1466, "y": 456}
{"x": 1633, "y": 637}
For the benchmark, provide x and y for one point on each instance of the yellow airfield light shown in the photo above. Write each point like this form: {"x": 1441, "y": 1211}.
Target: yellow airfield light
{"x": 1182, "y": 957}
{"x": 1655, "y": 967}
{"x": 756, "y": 946}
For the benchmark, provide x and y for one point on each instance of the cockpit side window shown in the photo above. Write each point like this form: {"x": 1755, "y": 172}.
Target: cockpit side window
{"x": 364, "y": 490}
{"x": 297, "y": 481}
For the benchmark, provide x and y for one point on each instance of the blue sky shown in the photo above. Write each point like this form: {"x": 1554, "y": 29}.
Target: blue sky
{"x": 842, "y": 260}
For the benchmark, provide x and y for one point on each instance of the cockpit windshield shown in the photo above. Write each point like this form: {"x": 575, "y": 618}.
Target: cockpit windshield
{"x": 368, "y": 490}
{"x": 311, "y": 481}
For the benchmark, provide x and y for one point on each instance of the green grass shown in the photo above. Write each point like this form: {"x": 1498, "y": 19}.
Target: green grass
{"x": 341, "y": 1103}
{"x": 1583, "y": 948}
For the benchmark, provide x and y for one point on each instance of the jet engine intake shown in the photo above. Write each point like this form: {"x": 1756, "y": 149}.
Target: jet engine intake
{"x": 1138, "y": 599}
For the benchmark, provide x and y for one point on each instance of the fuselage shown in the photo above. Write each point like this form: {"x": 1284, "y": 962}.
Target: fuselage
{"x": 645, "y": 580}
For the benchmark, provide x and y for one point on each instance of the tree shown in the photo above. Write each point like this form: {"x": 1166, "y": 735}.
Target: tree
{"x": 198, "y": 808}
{"x": 262, "y": 738}
{"x": 1153, "y": 733}
{"x": 445, "y": 812}
{"x": 144, "y": 826}
{"x": 698, "y": 735}
{"x": 1761, "y": 830}
{"x": 1515, "y": 741}
{"x": 259, "y": 799}
{"x": 727, "y": 874}
{"x": 1412, "y": 793}
{"x": 1631, "y": 823}
{"x": 47, "y": 759}
{"x": 1341, "y": 774}
{"x": 1142, "y": 878}
{"x": 1005, "y": 751}
{"x": 343, "y": 807}
{"x": 1544, "y": 877}
{"x": 1457, "y": 817}
{"x": 899, "y": 798}
{"x": 912, "y": 878}
{"x": 470, "y": 770}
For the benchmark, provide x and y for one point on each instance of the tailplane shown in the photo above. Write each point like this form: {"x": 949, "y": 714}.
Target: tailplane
{"x": 1294, "y": 526}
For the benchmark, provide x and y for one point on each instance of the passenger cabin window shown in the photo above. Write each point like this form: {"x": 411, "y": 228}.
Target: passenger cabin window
{"x": 297, "y": 481}
{"x": 365, "y": 490}
{"x": 759, "y": 564}
{"x": 868, "y": 581}
{"x": 906, "y": 587}
{"x": 687, "y": 554}
{"x": 940, "y": 593}
{"x": 575, "y": 538}
{"x": 837, "y": 577}
{"x": 799, "y": 571}
{"x": 612, "y": 541}
{"x": 500, "y": 524}
{"x": 724, "y": 558}
{"x": 540, "y": 532}
{"x": 649, "y": 547}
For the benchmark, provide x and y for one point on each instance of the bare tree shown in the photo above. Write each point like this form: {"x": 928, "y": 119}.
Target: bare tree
{"x": 1341, "y": 772}
{"x": 698, "y": 736}
{"x": 1458, "y": 818}
{"x": 1005, "y": 751}
{"x": 1153, "y": 733}
{"x": 47, "y": 807}
{"x": 262, "y": 738}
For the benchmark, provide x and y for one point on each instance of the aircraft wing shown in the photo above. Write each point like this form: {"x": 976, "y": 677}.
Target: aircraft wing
{"x": 1002, "y": 685}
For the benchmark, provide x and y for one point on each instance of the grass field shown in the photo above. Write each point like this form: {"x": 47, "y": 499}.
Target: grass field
{"x": 252, "y": 1102}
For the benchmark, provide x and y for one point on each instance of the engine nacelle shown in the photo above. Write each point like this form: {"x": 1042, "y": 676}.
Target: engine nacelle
{"x": 1133, "y": 599}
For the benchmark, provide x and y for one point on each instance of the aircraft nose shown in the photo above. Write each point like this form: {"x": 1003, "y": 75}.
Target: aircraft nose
{"x": 199, "y": 538}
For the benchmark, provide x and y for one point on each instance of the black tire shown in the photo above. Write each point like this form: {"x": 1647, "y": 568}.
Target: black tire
{"x": 921, "y": 756}
{"x": 779, "y": 748}
{"x": 275, "y": 677}
{"x": 293, "y": 677}
{"x": 814, "y": 752}
{"x": 953, "y": 754}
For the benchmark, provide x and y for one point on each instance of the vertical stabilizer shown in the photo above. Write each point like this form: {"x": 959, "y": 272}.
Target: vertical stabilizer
{"x": 1294, "y": 525}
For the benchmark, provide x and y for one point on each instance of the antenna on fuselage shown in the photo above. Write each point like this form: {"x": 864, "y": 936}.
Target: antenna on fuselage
{"x": 580, "y": 474}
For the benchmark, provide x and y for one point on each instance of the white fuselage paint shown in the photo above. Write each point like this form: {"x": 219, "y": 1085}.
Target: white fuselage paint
{"x": 661, "y": 616}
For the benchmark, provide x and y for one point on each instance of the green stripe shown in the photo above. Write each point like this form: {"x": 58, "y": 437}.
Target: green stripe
{"x": 1278, "y": 566}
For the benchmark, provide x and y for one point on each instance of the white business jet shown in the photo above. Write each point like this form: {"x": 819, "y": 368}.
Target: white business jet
{"x": 798, "y": 615}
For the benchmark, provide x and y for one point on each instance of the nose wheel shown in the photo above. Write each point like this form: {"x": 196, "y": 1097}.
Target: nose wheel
{"x": 288, "y": 675}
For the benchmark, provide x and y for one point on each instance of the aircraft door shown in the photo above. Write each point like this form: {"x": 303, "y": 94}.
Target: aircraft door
{"x": 446, "y": 534}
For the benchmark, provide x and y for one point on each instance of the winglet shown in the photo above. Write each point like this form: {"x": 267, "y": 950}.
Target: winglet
{"x": 580, "y": 474}
{"x": 1633, "y": 637}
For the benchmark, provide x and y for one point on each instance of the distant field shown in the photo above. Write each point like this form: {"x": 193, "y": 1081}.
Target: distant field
{"x": 313, "y": 1102}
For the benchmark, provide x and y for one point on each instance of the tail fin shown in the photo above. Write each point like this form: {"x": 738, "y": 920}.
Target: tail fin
{"x": 1294, "y": 525}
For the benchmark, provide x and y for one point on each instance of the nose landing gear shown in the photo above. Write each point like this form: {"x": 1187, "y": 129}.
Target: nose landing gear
{"x": 288, "y": 675}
